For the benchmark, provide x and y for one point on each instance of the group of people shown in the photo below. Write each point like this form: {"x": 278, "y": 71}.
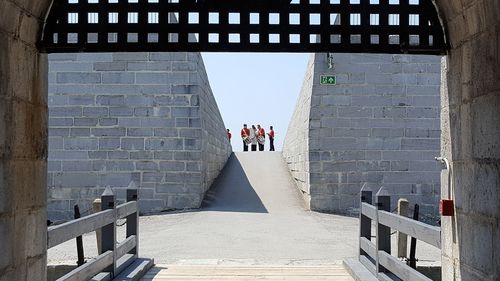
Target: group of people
{"x": 256, "y": 136}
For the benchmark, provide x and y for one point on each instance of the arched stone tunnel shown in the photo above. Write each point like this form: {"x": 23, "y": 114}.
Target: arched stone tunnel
{"x": 470, "y": 139}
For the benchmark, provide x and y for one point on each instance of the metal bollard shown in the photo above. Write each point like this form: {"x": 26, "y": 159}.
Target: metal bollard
{"x": 79, "y": 241}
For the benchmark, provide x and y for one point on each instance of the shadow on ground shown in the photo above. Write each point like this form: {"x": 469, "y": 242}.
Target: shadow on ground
{"x": 232, "y": 191}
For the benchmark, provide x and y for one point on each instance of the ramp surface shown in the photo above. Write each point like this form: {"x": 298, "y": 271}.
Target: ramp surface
{"x": 252, "y": 215}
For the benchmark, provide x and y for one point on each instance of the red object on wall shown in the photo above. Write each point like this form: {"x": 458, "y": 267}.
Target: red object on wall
{"x": 446, "y": 208}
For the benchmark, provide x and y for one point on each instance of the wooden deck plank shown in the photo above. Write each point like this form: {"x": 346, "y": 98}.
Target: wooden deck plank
{"x": 241, "y": 273}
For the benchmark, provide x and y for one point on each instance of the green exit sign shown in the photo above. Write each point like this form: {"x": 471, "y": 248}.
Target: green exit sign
{"x": 327, "y": 80}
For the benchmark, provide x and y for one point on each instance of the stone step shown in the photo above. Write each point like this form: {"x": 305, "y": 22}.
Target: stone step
{"x": 136, "y": 270}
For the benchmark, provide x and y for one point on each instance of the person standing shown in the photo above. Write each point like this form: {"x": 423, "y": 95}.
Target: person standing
{"x": 271, "y": 138}
{"x": 229, "y": 135}
{"x": 245, "y": 134}
{"x": 253, "y": 138}
{"x": 261, "y": 137}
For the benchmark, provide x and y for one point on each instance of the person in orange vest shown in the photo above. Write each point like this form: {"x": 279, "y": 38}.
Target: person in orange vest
{"x": 245, "y": 133}
{"x": 261, "y": 137}
{"x": 229, "y": 135}
{"x": 271, "y": 138}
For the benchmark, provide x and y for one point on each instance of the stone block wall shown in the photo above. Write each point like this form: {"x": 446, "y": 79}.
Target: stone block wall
{"x": 214, "y": 152}
{"x": 471, "y": 140}
{"x": 296, "y": 143}
{"x": 23, "y": 142}
{"x": 380, "y": 124}
{"x": 118, "y": 118}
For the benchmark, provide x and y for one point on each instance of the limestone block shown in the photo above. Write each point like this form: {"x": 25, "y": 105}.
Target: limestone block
{"x": 65, "y": 111}
{"x": 77, "y": 77}
{"x": 108, "y": 122}
{"x": 139, "y": 132}
{"x": 183, "y": 201}
{"x": 80, "y": 100}
{"x": 132, "y": 143}
{"x": 84, "y": 122}
{"x": 109, "y": 66}
{"x": 81, "y": 166}
{"x": 141, "y": 119}
{"x": 95, "y": 111}
{"x": 173, "y": 166}
{"x": 118, "y": 78}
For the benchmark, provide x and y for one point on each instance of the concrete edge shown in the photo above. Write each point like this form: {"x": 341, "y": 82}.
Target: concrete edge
{"x": 136, "y": 270}
{"x": 357, "y": 270}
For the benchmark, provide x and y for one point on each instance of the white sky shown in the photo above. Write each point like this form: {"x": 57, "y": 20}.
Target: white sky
{"x": 256, "y": 88}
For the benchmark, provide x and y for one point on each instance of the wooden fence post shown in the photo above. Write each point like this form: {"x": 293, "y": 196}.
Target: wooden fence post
{"x": 365, "y": 224}
{"x": 108, "y": 238}
{"x": 96, "y": 208}
{"x": 383, "y": 242}
{"x": 413, "y": 243}
{"x": 402, "y": 237}
{"x": 133, "y": 220}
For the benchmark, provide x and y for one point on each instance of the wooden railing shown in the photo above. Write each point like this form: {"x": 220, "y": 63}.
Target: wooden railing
{"x": 376, "y": 257}
{"x": 111, "y": 252}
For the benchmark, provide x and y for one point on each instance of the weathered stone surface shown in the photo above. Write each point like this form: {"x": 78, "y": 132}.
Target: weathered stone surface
{"x": 23, "y": 142}
{"x": 470, "y": 140}
{"x": 137, "y": 116}
{"x": 469, "y": 134}
{"x": 380, "y": 127}
{"x": 296, "y": 146}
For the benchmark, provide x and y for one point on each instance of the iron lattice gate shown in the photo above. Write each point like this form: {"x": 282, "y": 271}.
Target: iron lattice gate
{"x": 354, "y": 26}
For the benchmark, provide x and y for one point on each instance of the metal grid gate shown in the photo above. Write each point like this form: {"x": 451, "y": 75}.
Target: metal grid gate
{"x": 354, "y": 26}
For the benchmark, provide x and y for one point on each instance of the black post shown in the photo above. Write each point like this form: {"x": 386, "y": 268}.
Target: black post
{"x": 365, "y": 224}
{"x": 413, "y": 244}
{"x": 133, "y": 220}
{"x": 108, "y": 238}
{"x": 383, "y": 232}
{"x": 79, "y": 241}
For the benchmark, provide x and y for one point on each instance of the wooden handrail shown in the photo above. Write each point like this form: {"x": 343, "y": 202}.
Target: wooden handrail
{"x": 376, "y": 257}
{"x": 367, "y": 246}
{"x": 126, "y": 246}
{"x": 400, "y": 269}
{"x": 105, "y": 220}
{"x": 89, "y": 269}
{"x": 126, "y": 209}
{"x": 368, "y": 210}
{"x": 61, "y": 233}
{"x": 424, "y": 232}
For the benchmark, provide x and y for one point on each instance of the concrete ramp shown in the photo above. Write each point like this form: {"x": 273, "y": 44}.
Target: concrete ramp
{"x": 254, "y": 182}
{"x": 253, "y": 214}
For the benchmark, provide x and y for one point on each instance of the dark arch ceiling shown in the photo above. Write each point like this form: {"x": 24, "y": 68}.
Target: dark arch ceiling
{"x": 354, "y": 26}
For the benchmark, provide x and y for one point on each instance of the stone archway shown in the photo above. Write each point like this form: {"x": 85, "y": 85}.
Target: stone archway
{"x": 470, "y": 125}
{"x": 23, "y": 141}
{"x": 470, "y": 139}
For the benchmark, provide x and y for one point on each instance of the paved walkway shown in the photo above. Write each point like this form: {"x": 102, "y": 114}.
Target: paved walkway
{"x": 254, "y": 215}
